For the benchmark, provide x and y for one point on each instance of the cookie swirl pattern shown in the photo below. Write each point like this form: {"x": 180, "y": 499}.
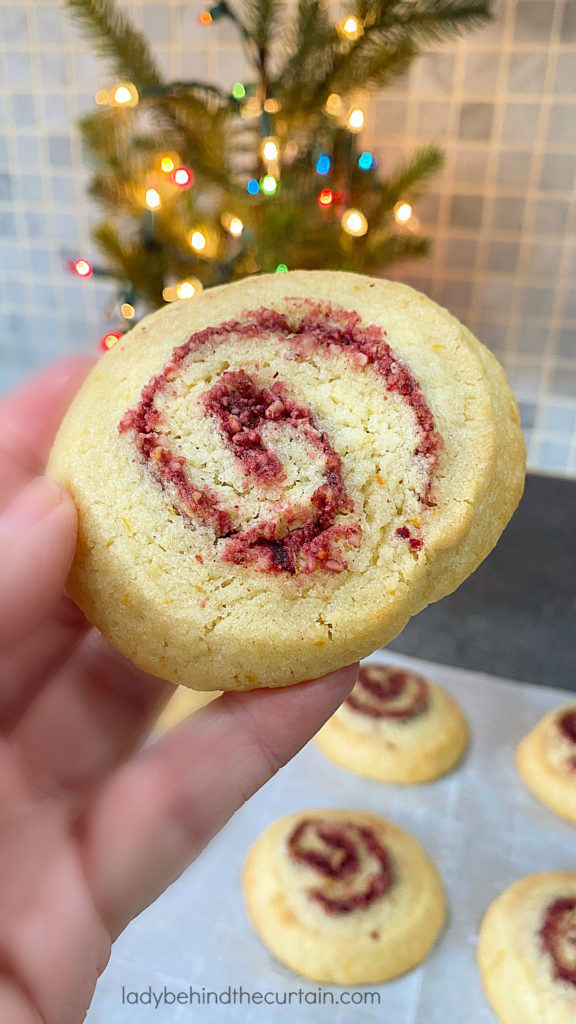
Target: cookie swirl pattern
{"x": 527, "y": 950}
{"x": 343, "y": 895}
{"x": 272, "y": 477}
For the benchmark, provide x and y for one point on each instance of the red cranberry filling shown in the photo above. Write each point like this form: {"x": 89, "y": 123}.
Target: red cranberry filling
{"x": 567, "y": 725}
{"x": 382, "y": 691}
{"x": 337, "y": 851}
{"x": 558, "y": 936}
{"x": 241, "y": 408}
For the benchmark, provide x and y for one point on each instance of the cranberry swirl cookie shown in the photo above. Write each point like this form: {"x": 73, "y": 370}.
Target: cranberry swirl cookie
{"x": 343, "y": 896}
{"x": 396, "y": 726}
{"x": 527, "y": 950}
{"x": 546, "y": 760}
{"x": 272, "y": 477}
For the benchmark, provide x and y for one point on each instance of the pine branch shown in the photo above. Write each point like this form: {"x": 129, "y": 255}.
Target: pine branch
{"x": 435, "y": 20}
{"x": 409, "y": 181}
{"x": 117, "y": 40}
{"x": 260, "y": 20}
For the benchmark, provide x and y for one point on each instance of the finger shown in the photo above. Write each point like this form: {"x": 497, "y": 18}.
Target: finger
{"x": 52, "y": 941}
{"x": 37, "y": 541}
{"x": 29, "y": 419}
{"x": 160, "y": 809}
{"x": 32, "y": 663}
{"x": 94, "y": 714}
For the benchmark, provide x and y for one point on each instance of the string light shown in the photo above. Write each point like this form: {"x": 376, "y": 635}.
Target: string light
{"x": 270, "y": 149}
{"x": 269, "y": 184}
{"x": 356, "y": 119}
{"x": 127, "y": 310}
{"x": 102, "y": 96}
{"x": 183, "y": 177}
{"x": 197, "y": 241}
{"x": 272, "y": 106}
{"x": 188, "y": 289}
{"x": 252, "y": 108}
{"x": 281, "y": 268}
{"x": 109, "y": 340}
{"x": 125, "y": 95}
{"x": 169, "y": 293}
{"x": 204, "y": 18}
{"x": 238, "y": 91}
{"x": 232, "y": 224}
{"x": 167, "y": 164}
{"x": 323, "y": 164}
{"x": 350, "y": 28}
{"x": 402, "y": 212}
{"x": 81, "y": 268}
{"x": 354, "y": 223}
{"x": 325, "y": 197}
{"x": 366, "y": 161}
{"x": 253, "y": 187}
{"x": 334, "y": 103}
{"x": 152, "y": 198}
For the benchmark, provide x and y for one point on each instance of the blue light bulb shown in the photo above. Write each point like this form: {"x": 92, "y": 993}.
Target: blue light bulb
{"x": 253, "y": 187}
{"x": 366, "y": 161}
{"x": 323, "y": 164}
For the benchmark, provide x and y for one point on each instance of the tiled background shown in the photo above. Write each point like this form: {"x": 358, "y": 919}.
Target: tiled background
{"x": 501, "y": 102}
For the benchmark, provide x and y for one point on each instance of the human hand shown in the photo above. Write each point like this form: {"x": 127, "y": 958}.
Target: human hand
{"x": 92, "y": 828}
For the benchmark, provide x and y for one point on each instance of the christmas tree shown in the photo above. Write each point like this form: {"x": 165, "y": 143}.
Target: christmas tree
{"x": 200, "y": 186}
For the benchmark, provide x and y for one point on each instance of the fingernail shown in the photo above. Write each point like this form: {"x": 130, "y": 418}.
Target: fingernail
{"x": 34, "y": 503}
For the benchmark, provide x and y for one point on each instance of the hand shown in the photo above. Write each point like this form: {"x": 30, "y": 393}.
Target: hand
{"x": 92, "y": 828}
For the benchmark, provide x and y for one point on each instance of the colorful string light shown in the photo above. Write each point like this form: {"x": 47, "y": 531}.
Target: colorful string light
{"x": 238, "y": 91}
{"x": 268, "y": 184}
{"x": 127, "y": 310}
{"x": 253, "y": 187}
{"x": 281, "y": 268}
{"x": 325, "y": 197}
{"x": 354, "y": 223}
{"x": 152, "y": 198}
{"x": 356, "y": 119}
{"x": 183, "y": 177}
{"x": 402, "y": 212}
{"x": 350, "y": 28}
{"x": 109, "y": 340}
{"x": 323, "y": 164}
{"x": 270, "y": 150}
{"x": 125, "y": 95}
{"x": 82, "y": 268}
{"x": 198, "y": 241}
{"x": 366, "y": 161}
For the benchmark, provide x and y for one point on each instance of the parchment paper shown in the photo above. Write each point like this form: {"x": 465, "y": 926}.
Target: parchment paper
{"x": 480, "y": 824}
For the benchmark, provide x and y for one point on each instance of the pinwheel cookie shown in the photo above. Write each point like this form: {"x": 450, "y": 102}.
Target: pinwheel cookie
{"x": 396, "y": 726}
{"x": 527, "y": 950}
{"x": 272, "y": 477}
{"x": 343, "y": 896}
{"x": 546, "y": 760}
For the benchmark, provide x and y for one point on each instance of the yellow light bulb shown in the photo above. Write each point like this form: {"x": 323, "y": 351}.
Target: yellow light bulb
{"x": 169, "y": 293}
{"x": 125, "y": 94}
{"x": 152, "y": 199}
{"x": 350, "y": 28}
{"x": 334, "y": 103}
{"x": 198, "y": 241}
{"x": 236, "y": 227}
{"x": 270, "y": 149}
{"x": 354, "y": 223}
{"x": 127, "y": 310}
{"x": 102, "y": 96}
{"x": 402, "y": 212}
{"x": 167, "y": 164}
{"x": 356, "y": 119}
{"x": 272, "y": 106}
{"x": 185, "y": 290}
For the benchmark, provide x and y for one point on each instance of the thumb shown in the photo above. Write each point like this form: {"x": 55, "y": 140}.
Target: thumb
{"x": 37, "y": 541}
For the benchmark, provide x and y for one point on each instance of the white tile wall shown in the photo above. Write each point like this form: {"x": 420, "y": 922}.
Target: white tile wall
{"x": 501, "y": 102}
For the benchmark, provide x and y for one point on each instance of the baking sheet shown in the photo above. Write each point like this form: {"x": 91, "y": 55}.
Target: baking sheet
{"x": 480, "y": 824}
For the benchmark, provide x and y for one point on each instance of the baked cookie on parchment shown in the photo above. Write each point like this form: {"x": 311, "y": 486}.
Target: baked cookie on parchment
{"x": 273, "y": 476}
{"x": 527, "y": 950}
{"x": 546, "y": 760}
{"x": 343, "y": 896}
{"x": 396, "y": 726}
